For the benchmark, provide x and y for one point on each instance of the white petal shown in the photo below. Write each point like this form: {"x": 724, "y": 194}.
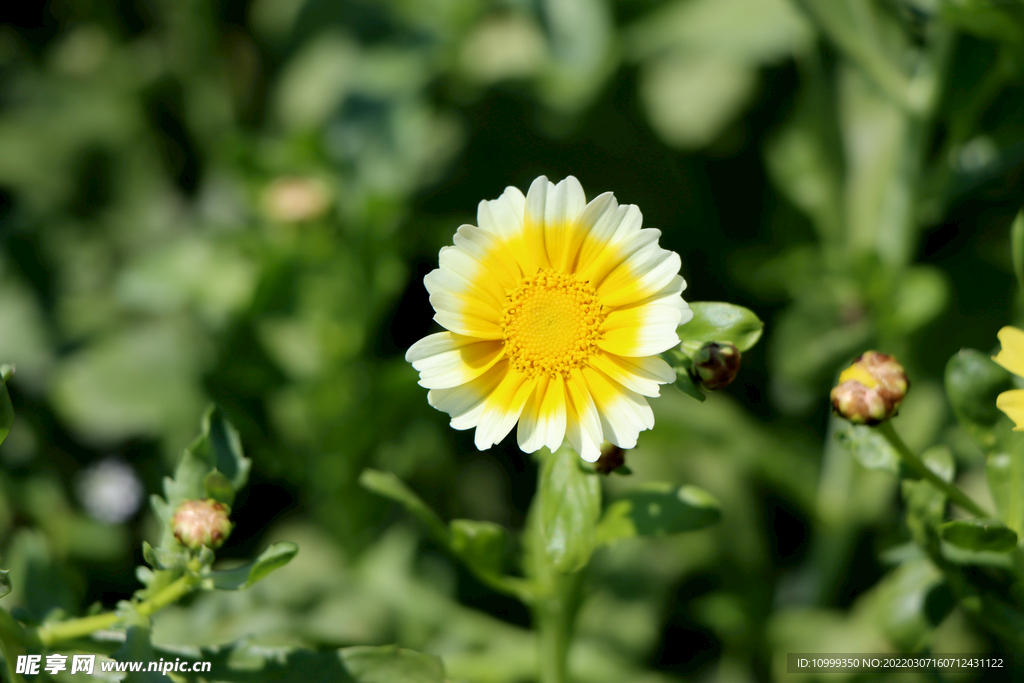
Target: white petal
{"x": 608, "y": 229}
{"x": 642, "y": 274}
{"x": 461, "y": 401}
{"x": 612, "y": 256}
{"x": 644, "y": 375}
{"x": 458, "y": 365}
{"x": 624, "y": 413}
{"x": 503, "y": 216}
{"x": 543, "y": 420}
{"x": 583, "y": 423}
{"x": 503, "y": 408}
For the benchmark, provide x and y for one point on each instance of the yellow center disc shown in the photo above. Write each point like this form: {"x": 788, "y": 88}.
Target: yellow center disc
{"x": 551, "y": 323}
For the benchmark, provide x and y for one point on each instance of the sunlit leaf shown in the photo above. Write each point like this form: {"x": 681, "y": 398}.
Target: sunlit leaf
{"x": 871, "y": 449}
{"x": 657, "y": 510}
{"x": 716, "y": 321}
{"x": 979, "y": 535}
{"x": 1005, "y": 473}
{"x": 973, "y": 381}
{"x": 274, "y": 557}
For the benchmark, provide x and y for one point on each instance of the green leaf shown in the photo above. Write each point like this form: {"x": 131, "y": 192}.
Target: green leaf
{"x": 715, "y": 321}
{"x": 682, "y": 363}
{"x": 926, "y": 503}
{"x": 219, "y": 488}
{"x": 658, "y": 509}
{"x": 5, "y": 582}
{"x": 1005, "y": 473}
{"x": 221, "y": 448}
{"x": 979, "y": 535}
{"x": 6, "y": 409}
{"x": 388, "y": 485}
{"x": 973, "y": 380}
{"x": 481, "y": 545}
{"x": 389, "y": 664}
{"x": 870, "y": 448}
{"x": 274, "y": 557}
{"x": 568, "y": 505}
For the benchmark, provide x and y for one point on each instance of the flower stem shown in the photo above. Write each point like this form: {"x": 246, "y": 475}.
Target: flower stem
{"x": 915, "y": 464}
{"x": 553, "y": 617}
{"x": 48, "y": 634}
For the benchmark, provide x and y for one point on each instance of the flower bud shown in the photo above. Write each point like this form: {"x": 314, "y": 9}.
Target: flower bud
{"x": 716, "y": 365}
{"x": 201, "y": 522}
{"x": 612, "y": 458}
{"x": 870, "y": 391}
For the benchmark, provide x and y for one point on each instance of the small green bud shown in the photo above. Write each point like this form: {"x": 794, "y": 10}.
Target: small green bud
{"x": 716, "y": 365}
{"x": 871, "y": 390}
{"x": 199, "y": 523}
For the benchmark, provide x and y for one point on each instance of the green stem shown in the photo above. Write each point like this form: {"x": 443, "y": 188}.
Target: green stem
{"x": 553, "y": 616}
{"x": 915, "y": 464}
{"x": 48, "y": 634}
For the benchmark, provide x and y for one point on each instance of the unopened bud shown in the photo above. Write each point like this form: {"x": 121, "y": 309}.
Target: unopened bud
{"x": 612, "y": 458}
{"x": 716, "y": 365}
{"x": 201, "y": 522}
{"x": 870, "y": 391}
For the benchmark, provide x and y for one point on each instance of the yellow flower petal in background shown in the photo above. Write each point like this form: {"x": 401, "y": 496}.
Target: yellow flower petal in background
{"x": 1011, "y": 356}
{"x": 556, "y": 310}
{"x": 1012, "y": 403}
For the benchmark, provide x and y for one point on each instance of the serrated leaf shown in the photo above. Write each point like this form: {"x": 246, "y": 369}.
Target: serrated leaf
{"x": 568, "y": 507}
{"x": 716, "y": 321}
{"x": 221, "y": 448}
{"x": 973, "y": 380}
{"x": 6, "y": 408}
{"x": 388, "y": 485}
{"x": 274, "y": 557}
{"x": 479, "y": 544}
{"x": 659, "y": 509}
{"x": 979, "y": 535}
{"x": 218, "y": 487}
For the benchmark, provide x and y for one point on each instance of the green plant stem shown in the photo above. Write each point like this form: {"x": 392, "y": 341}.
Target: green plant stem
{"x": 553, "y": 616}
{"x": 48, "y": 634}
{"x": 915, "y": 464}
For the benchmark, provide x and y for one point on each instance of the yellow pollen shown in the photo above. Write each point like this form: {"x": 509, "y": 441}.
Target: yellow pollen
{"x": 551, "y": 323}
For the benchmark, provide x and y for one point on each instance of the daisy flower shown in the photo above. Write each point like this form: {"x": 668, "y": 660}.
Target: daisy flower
{"x": 1011, "y": 357}
{"x": 555, "y": 311}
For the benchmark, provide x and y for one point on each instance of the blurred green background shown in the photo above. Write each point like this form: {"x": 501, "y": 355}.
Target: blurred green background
{"x": 237, "y": 200}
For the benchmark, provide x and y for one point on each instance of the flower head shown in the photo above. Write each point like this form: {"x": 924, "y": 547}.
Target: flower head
{"x": 201, "y": 522}
{"x": 1011, "y": 357}
{"x": 556, "y": 310}
{"x": 717, "y": 365}
{"x": 871, "y": 390}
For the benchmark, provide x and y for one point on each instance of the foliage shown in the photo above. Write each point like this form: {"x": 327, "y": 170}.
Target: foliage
{"x": 236, "y": 203}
